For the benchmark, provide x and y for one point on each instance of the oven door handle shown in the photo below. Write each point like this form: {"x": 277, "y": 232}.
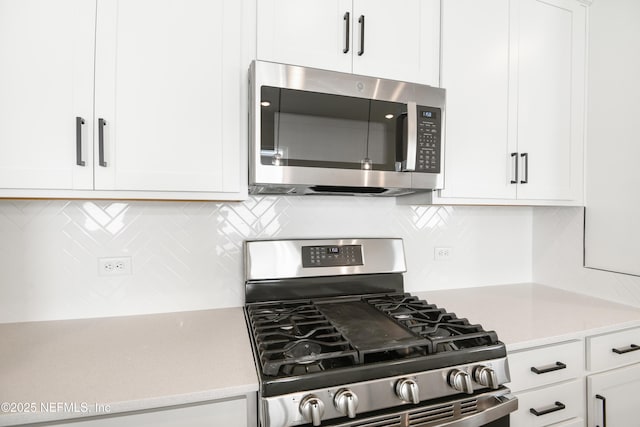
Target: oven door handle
{"x": 507, "y": 403}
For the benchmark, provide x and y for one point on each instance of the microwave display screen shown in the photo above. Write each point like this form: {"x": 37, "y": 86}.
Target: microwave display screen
{"x": 428, "y": 114}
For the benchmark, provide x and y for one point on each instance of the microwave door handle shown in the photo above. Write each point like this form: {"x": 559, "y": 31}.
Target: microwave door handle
{"x": 400, "y": 142}
{"x": 412, "y": 136}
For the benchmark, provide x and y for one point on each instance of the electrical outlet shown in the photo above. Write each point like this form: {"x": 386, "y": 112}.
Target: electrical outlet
{"x": 442, "y": 254}
{"x": 117, "y": 266}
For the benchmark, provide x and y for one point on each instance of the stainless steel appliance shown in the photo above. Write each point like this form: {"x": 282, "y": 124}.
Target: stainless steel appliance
{"x": 337, "y": 342}
{"x": 323, "y": 132}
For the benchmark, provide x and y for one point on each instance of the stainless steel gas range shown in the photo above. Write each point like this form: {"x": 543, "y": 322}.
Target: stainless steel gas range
{"x": 338, "y": 342}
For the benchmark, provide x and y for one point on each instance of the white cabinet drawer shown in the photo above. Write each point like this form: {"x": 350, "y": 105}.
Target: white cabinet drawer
{"x": 613, "y": 350}
{"x": 552, "y": 404}
{"x": 573, "y": 422}
{"x": 546, "y": 365}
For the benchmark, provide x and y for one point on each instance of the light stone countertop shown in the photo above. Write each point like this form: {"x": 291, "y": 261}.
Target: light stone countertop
{"x": 151, "y": 361}
{"x": 528, "y": 315}
{"x": 129, "y": 363}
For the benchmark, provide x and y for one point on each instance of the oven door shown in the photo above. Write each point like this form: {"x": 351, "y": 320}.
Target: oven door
{"x": 490, "y": 409}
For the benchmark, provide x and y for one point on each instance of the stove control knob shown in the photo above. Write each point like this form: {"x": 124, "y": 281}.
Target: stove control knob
{"x": 461, "y": 381}
{"x": 312, "y": 409}
{"x": 485, "y": 376}
{"x": 407, "y": 390}
{"x": 346, "y": 402}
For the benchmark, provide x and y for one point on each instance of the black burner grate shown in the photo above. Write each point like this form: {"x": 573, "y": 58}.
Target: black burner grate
{"x": 294, "y": 338}
{"x": 444, "y": 331}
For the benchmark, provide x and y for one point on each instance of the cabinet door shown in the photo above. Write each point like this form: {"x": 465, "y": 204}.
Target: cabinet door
{"x": 46, "y": 81}
{"x": 401, "y": 39}
{"x": 222, "y": 413}
{"x": 619, "y": 389}
{"x": 475, "y": 72}
{"x": 312, "y": 33}
{"x": 551, "y": 85}
{"x": 170, "y": 85}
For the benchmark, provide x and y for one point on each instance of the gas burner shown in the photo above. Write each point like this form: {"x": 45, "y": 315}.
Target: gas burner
{"x": 439, "y": 333}
{"x": 282, "y": 314}
{"x": 303, "y": 349}
{"x": 302, "y": 368}
{"x": 402, "y": 316}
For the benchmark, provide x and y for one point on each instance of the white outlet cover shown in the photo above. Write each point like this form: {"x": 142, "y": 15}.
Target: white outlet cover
{"x": 115, "y": 266}
{"x": 442, "y": 254}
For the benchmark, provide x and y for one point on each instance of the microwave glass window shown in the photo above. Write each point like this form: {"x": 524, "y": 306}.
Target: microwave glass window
{"x": 311, "y": 129}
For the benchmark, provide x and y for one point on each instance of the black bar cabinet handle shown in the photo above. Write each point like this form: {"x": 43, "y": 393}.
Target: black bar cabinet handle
{"x": 79, "y": 123}
{"x": 604, "y": 410}
{"x": 558, "y": 406}
{"x": 556, "y": 367}
{"x": 526, "y": 168}
{"x": 361, "y": 22}
{"x": 629, "y": 349}
{"x": 347, "y": 30}
{"x": 515, "y": 156}
{"x": 101, "y": 124}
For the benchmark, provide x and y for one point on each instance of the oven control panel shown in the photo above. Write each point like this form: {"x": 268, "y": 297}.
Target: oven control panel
{"x": 331, "y": 256}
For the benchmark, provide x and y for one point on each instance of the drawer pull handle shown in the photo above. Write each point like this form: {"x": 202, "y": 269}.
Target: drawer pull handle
{"x": 558, "y": 406}
{"x": 556, "y": 367}
{"x": 629, "y": 349}
{"x": 604, "y": 410}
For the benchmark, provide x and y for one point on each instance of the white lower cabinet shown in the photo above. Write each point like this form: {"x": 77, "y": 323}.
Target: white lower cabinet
{"x": 549, "y": 384}
{"x": 612, "y": 393}
{"x": 555, "y": 388}
{"x": 613, "y": 396}
{"x": 220, "y": 413}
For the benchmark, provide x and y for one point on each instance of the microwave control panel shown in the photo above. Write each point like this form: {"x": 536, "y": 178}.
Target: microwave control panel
{"x": 429, "y": 140}
{"x": 331, "y": 256}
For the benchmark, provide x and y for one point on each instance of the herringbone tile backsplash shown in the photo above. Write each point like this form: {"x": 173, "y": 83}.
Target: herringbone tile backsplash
{"x": 188, "y": 255}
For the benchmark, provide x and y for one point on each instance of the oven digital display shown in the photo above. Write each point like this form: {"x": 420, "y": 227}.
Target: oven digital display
{"x": 331, "y": 256}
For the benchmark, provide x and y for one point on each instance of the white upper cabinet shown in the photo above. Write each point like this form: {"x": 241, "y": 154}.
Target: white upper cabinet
{"x": 551, "y": 100}
{"x": 514, "y": 71}
{"x": 46, "y": 81}
{"x": 476, "y": 61}
{"x": 313, "y": 33}
{"x": 170, "y": 95}
{"x": 400, "y": 39}
{"x": 396, "y": 40}
{"x": 165, "y": 117}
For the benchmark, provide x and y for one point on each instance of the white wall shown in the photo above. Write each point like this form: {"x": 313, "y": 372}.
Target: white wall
{"x": 558, "y": 258}
{"x": 187, "y": 255}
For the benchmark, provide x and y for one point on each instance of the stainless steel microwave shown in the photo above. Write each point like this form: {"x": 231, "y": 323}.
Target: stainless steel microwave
{"x": 323, "y": 132}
